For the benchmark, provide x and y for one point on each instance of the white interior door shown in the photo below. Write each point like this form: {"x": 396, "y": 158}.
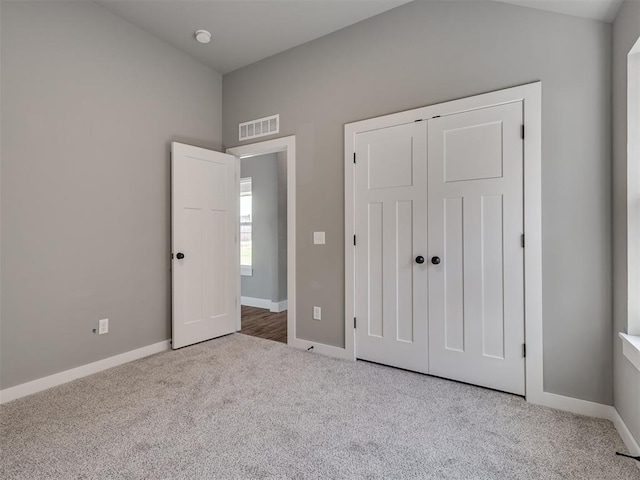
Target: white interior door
{"x": 204, "y": 207}
{"x": 391, "y": 232}
{"x": 476, "y": 291}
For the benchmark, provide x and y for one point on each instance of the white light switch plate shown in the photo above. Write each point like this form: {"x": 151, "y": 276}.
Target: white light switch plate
{"x": 317, "y": 313}
{"x": 318, "y": 238}
{"x": 103, "y": 326}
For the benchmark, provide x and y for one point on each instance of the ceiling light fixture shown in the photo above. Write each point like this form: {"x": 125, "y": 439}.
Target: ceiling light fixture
{"x": 203, "y": 36}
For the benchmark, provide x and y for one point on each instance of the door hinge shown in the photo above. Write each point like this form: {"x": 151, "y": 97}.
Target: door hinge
{"x": 354, "y": 157}
{"x": 354, "y": 240}
{"x": 354, "y": 322}
{"x": 524, "y": 350}
{"x": 522, "y": 240}
{"x": 522, "y": 131}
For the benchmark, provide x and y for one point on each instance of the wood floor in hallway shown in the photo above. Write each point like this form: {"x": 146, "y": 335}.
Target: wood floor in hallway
{"x": 262, "y": 323}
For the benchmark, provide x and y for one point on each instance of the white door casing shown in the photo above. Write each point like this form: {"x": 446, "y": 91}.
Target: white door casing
{"x": 475, "y": 212}
{"x": 286, "y": 145}
{"x": 204, "y": 211}
{"x": 391, "y": 232}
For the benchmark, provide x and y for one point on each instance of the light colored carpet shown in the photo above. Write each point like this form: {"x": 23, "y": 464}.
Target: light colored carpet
{"x": 243, "y": 407}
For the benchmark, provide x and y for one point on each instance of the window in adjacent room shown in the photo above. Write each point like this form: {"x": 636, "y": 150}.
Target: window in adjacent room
{"x": 245, "y": 227}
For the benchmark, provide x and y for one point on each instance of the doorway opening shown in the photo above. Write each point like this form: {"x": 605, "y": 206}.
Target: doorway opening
{"x": 266, "y": 246}
{"x": 263, "y": 246}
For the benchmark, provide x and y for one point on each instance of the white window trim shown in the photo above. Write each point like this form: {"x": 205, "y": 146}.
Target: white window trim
{"x": 631, "y": 339}
{"x": 631, "y": 348}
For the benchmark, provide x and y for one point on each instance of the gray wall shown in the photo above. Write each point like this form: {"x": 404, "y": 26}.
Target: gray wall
{"x": 282, "y": 227}
{"x": 265, "y": 172}
{"x": 626, "y": 30}
{"x": 90, "y": 105}
{"x": 0, "y": 197}
{"x": 424, "y": 53}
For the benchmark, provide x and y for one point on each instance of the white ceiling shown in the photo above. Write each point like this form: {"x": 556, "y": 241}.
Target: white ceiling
{"x": 604, "y": 10}
{"x": 246, "y": 31}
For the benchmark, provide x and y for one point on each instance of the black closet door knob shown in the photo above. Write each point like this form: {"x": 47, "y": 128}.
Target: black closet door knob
{"x": 180, "y": 256}
{"x": 435, "y": 260}
{"x": 420, "y": 259}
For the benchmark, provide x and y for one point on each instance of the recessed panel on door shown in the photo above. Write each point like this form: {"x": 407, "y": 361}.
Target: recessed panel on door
{"x": 493, "y": 269}
{"x": 391, "y": 287}
{"x": 404, "y": 267}
{"x": 192, "y": 287}
{"x": 385, "y": 174}
{"x": 453, "y": 273}
{"x": 483, "y": 142}
{"x": 475, "y": 211}
{"x": 216, "y": 263}
{"x": 374, "y": 266}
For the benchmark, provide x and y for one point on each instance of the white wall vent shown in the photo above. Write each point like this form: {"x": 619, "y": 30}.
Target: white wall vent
{"x": 259, "y": 128}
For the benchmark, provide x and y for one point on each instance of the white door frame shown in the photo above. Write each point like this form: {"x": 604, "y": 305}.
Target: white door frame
{"x": 287, "y": 145}
{"x": 531, "y": 97}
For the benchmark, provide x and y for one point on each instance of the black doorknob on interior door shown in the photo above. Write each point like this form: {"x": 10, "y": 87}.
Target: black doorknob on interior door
{"x": 420, "y": 259}
{"x": 435, "y": 260}
{"x": 180, "y": 256}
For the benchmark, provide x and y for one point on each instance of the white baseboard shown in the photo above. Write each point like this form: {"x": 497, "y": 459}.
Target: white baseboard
{"x": 44, "y": 383}
{"x": 255, "y": 302}
{"x": 573, "y": 405}
{"x": 624, "y": 432}
{"x": 320, "y": 348}
{"x": 275, "y": 307}
{"x": 591, "y": 409}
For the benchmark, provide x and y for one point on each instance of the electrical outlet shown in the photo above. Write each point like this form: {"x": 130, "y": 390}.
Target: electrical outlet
{"x": 317, "y": 313}
{"x": 318, "y": 238}
{"x": 103, "y": 326}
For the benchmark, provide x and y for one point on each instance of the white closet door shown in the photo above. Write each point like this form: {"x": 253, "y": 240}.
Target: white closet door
{"x": 475, "y": 210}
{"x": 391, "y": 231}
{"x": 204, "y": 208}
